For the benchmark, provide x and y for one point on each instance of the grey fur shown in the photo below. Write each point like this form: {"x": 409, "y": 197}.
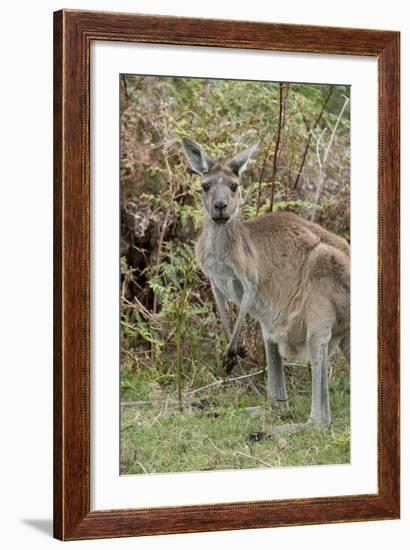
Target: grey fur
{"x": 291, "y": 275}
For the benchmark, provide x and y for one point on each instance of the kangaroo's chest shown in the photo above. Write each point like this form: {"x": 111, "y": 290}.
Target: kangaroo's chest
{"x": 223, "y": 276}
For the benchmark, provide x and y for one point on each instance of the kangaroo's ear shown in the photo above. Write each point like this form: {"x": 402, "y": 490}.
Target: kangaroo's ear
{"x": 196, "y": 157}
{"x": 238, "y": 163}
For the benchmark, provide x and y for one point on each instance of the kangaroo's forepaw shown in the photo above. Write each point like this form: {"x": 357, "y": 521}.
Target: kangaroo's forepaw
{"x": 229, "y": 361}
{"x": 242, "y": 351}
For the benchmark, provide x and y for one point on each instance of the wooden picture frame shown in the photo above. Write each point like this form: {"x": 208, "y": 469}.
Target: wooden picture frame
{"x": 73, "y": 33}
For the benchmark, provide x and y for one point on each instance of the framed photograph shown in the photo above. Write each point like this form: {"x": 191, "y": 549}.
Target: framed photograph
{"x": 226, "y": 275}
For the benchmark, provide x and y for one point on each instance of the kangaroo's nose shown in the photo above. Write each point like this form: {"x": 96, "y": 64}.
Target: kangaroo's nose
{"x": 220, "y": 206}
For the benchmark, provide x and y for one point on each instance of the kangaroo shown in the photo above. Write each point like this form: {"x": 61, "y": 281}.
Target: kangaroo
{"x": 289, "y": 274}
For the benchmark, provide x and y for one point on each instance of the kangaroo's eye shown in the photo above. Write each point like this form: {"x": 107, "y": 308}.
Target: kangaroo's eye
{"x": 206, "y": 187}
{"x": 234, "y": 187}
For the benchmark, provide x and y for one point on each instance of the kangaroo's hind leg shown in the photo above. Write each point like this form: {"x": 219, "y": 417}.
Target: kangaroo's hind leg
{"x": 276, "y": 390}
{"x": 320, "y": 322}
{"x": 276, "y": 375}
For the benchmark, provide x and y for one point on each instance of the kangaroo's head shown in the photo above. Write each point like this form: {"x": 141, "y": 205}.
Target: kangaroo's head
{"x": 221, "y": 193}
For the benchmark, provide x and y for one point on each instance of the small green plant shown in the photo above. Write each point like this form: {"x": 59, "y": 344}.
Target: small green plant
{"x": 173, "y": 281}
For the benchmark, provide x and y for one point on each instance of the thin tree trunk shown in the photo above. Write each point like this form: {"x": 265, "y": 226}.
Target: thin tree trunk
{"x": 277, "y": 145}
{"x": 124, "y": 82}
{"x": 310, "y": 130}
{"x": 258, "y": 196}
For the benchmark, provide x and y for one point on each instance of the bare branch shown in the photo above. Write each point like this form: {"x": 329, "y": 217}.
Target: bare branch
{"x": 258, "y": 196}
{"x": 277, "y": 145}
{"x": 322, "y": 161}
{"x": 222, "y": 381}
{"x": 310, "y": 129}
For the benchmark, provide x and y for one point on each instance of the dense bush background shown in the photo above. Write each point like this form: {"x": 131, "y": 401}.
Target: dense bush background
{"x": 170, "y": 336}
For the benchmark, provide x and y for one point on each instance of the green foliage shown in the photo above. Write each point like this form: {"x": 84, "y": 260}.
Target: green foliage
{"x": 172, "y": 284}
{"x": 224, "y": 116}
{"x": 171, "y": 338}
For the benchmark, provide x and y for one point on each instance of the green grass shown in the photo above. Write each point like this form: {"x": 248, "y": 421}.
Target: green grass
{"x": 158, "y": 437}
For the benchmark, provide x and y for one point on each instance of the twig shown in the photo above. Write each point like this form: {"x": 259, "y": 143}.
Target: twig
{"x": 322, "y": 162}
{"x": 275, "y": 155}
{"x": 127, "y": 427}
{"x": 330, "y": 373}
{"x": 254, "y": 387}
{"x": 286, "y": 364}
{"x": 254, "y": 458}
{"x": 139, "y": 306}
{"x": 223, "y": 381}
{"x": 258, "y": 196}
{"x": 161, "y": 412}
{"x": 129, "y": 404}
{"x": 215, "y": 447}
{"x": 310, "y": 129}
{"x": 218, "y": 382}
{"x": 141, "y": 466}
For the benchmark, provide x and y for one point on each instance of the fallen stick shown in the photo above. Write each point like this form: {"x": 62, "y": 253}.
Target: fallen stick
{"x": 218, "y": 382}
{"x": 128, "y": 404}
{"x": 223, "y": 381}
{"x": 254, "y": 458}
